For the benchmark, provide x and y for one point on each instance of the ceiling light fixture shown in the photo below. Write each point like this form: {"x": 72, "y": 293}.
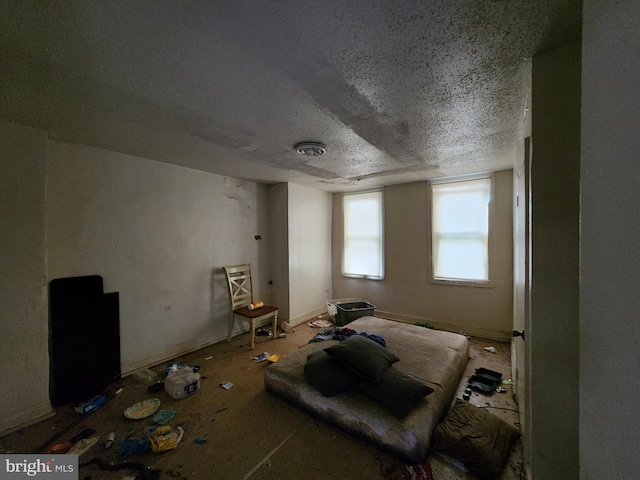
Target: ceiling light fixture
{"x": 311, "y": 149}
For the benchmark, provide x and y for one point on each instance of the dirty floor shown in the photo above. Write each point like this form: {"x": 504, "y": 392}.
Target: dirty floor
{"x": 245, "y": 432}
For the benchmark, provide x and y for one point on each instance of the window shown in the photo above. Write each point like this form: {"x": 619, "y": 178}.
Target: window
{"x": 460, "y": 230}
{"x": 362, "y": 249}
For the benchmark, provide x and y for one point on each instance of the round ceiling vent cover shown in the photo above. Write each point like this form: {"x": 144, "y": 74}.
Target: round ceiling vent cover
{"x": 312, "y": 149}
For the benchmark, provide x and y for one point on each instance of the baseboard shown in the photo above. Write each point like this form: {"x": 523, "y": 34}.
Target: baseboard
{"x": 185, "y": 349}
{"x": 181, "y": 350}
{"x": 449, "y": 327}
{"x": 26, "y": 419}
{"x": 176, "y": 351}
{"x": 312, "y": 315}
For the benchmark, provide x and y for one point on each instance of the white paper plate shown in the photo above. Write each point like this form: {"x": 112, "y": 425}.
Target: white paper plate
{"x": 143, "y": 409}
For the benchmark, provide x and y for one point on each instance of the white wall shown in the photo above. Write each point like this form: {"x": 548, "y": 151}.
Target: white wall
{"x": 279, "y": 227}
{"x": 406, "y": 293}
{"x": 521, "y": 284}
{"x": 24, "y": 357}
{"x": 553, "y": 327}
{"x": 610, "y": 241}
{"x": 309, "y": 251}
{"x": 158, "y": 234}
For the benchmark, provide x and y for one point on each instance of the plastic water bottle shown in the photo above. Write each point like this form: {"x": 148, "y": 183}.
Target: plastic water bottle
{"x": 182, "y": 382}
{"x": 254, "y": 305}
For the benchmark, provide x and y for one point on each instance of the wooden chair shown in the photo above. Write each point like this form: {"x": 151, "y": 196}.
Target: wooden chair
{"x": 241, "y": 296}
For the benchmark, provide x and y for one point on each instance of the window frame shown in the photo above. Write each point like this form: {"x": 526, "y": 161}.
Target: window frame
{"x": 490, "y": 283}
{"x": 381, "y": 257}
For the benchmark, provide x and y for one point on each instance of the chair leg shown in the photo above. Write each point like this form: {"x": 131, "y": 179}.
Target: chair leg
{"x": 230, "y": 327}
{"x": 252, "y": 332}
{"x": 275, "y": 326}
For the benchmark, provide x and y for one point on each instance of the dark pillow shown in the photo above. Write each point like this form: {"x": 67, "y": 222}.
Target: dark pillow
{"x": 327, "y": 376}
{"x": 362, "y": 357}
{"x": 476, "y": 437}
{"x": 397, "y": 391}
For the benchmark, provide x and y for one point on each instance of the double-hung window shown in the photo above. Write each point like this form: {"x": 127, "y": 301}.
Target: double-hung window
{"x": 460, "y": 230}
{"x": 363, "y": 240}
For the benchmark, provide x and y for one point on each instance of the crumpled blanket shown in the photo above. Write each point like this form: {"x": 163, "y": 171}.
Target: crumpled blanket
{"x": 340, "y": 333}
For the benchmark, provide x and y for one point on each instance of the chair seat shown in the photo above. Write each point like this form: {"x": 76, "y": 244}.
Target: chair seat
{"x": 255, "y": 313}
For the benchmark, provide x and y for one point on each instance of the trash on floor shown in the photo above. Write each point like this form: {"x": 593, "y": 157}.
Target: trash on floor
{"x": 145, "y": 376}
{"x": 59, "y": 448}
{"x": 319, "y": 324}
{"x": 173, "y": 367}
{"x": 142, "y": 409}
{"x": 90, "y": 405}
{"x": 163, "y": 416}
{"x": 108, "y": 442}
{"x": 165, "y": 437}
{"x": 484, "y": 380}
{"x": 260, "y": 358}
{"x": 182, "y": 382}
{"x": 420, "y": 471}
{"x": 130, "y": 444}
{"x": 467, "y": 394}
{"x": 156, "y": 387}
{"x": 83, "y": 445}
{"x": 200, "y": 441}
{"x": 64, "y": 447}
{"x": 86, "y": 433}
{"x": 452, "y": 461}
{"x": 226, "y": 385}
{"x": 490, "y": 349}
{"x": 274, "y": 358}
{"x": 424, "y": 324}
{"x": 285, "y": 326}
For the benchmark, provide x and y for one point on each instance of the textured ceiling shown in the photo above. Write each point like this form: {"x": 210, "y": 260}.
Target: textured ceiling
{"x": 399, "y": 91}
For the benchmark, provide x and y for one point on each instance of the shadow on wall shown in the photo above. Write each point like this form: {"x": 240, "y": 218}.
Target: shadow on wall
{"x": 219, "y": 303}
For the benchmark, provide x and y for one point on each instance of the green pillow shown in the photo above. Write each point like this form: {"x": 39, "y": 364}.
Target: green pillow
{"x": 397, "y": 391}
{"x": 327, "y": 376}
{"x": 476, "y": 437}
{"x": 362, "y": 357}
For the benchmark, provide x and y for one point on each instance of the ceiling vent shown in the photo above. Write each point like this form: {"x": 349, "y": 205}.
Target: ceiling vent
{"x": 311, "y": 149}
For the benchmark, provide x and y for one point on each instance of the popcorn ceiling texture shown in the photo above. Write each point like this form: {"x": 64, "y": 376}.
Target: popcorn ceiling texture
{"x": 399, "y": 91}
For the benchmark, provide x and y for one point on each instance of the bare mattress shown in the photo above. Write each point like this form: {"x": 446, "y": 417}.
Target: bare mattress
{"x": 434, "y": 357}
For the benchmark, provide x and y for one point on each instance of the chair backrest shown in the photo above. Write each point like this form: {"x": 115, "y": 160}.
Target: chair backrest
{"x": 240, "y": 285}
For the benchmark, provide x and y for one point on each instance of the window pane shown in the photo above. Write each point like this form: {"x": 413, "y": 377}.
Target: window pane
{"x": 359, "y": 255}
{"x": 362, "y": 252}
{"x": 462, "y": 212}
{"x": 461, "y": 259}
{"x": 362, "y": 217}
{"x": 460, "y": 223}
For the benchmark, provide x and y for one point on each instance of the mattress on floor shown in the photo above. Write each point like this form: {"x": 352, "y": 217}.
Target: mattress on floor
{"x": 435, "y": 357}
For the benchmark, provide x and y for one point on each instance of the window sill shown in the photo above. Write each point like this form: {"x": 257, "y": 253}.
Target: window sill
{"x": 462, "y": 283}
{"x": 366, "y": 277}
